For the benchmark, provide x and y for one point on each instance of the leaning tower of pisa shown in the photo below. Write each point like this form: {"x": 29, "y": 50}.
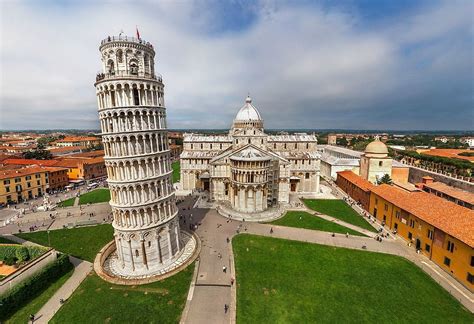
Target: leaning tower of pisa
{"x": 132, "y": 116}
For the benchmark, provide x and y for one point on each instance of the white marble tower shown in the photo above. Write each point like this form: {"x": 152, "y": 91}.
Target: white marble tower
{"x": 133, "y": 122}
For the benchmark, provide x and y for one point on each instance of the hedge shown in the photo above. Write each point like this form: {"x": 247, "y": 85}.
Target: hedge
{"x": 11, "y": 252}
{"x": 31, "y": 287}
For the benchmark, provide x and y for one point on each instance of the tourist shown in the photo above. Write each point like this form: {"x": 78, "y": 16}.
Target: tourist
{"x": 226, "y": 307}
{"x": 228, "y": 240}
{"x": 231, "y": 281}
{"x": 271, "y": 230}
{"x": 224, "y": 269}
{"x": 32, "y": 318}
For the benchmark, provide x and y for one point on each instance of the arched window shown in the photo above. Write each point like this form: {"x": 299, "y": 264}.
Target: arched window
{"x": 146, "y": 60}
{"x": 136, "y": 253}
{"x": 111, "y": 67}
{"x": 119, "y": 56}
{"x": 133, "y": 67}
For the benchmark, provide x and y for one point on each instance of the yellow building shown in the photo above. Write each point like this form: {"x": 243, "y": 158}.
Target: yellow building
{"x": 440, "y": 229}
{"x": 17, "y": 185}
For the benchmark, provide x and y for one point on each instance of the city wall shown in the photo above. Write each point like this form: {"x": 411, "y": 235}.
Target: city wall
{"x": 416, "y": 174}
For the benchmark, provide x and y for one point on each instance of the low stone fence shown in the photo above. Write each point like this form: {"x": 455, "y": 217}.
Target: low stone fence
{"x": 27, "y": 270}
{"x": 110, "y": 247}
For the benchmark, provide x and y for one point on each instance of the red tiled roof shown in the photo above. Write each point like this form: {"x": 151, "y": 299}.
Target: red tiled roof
{"x": 447, "y": 216}
{"x": 6, "y": 174}
{"x": 30, "y": 162}
{"x": 449, "y": 153}
{"x": 356, "y": 180}
{"x": 451, "y": 191}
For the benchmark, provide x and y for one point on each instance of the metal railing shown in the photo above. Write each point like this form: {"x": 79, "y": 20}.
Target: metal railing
{"x": 125, "y": 39}
{"x": 124, "y": 74}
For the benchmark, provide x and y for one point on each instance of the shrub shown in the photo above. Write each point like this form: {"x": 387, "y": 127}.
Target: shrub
{"x": 22, "y": 254}
{"x": 31, "y": 287}
{"x": 10, "y": 260}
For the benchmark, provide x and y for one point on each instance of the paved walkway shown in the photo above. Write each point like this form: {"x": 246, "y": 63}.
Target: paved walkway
{"x": 81, "y": 270}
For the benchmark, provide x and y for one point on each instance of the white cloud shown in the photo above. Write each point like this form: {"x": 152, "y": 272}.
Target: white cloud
{"x": 304, "y": 67}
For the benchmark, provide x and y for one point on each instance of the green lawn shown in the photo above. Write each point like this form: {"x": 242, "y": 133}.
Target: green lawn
{"x": 67, "y": 203}
{"x": 176, "y": 171}
{"x": 22, "y": 315}
{"x": 97, "y": 301}
{"x": 4, "y": 240}
{"x": 95, "y": 196}
{"x": 301, "y": 219}
{"x": 281, "y": 281}
{"x": 340, "y": 210}
{"x": 83, "y": 242}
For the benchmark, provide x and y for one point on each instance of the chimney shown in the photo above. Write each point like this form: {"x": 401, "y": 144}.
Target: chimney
{"x": 427, "y": 180}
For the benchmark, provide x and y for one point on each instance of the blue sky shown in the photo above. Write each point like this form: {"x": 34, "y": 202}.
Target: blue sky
{"x": 307, "y": 64}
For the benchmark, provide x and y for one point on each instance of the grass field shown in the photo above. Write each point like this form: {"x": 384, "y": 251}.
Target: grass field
{"x": 4, "y": 240}
{"x": 97, "y": 301}
{"x": 340, "y": 210}
{"x": 22, "y": 315}
{"x": 83, "y": 242}
{"x": 176, "y": 171}
{"x": 301, "y": 219}
{"x": 95, "y": 196}
{"x": 67, "y": 203}
{"x": 280, "y": 281}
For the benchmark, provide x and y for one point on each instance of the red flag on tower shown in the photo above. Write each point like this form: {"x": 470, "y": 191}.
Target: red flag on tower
{"x": 138, "y": 33}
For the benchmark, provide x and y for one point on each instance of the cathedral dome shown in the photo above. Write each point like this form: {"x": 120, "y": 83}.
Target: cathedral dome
{"x": 248, "y": 112}
{"x": 376, "y": 147}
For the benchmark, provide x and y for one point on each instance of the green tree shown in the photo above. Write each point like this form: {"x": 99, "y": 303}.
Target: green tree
{"x": 342, "y": 141}
{"x": 385, "y": 180}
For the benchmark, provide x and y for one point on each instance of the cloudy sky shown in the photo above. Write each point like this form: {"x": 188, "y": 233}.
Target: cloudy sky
{"x": 399, "y": 64}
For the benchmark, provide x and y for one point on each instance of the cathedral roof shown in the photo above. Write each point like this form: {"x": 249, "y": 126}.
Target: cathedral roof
{"x": 248, "y": 112}
{"x": 250, "y": 154}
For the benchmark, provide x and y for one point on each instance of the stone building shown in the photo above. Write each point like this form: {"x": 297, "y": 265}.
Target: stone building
{"x": 247, "y": 168}
{"x": 375, "y": 162}
{"x": 132, "y": 114}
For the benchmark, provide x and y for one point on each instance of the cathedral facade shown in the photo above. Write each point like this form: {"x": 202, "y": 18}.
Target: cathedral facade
{"x": 249, "y": 169}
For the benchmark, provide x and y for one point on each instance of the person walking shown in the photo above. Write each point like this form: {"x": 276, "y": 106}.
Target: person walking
{"x": 271, "y": 230}
{"x": 226, "y": 308}
{"x": 224, "y": 269}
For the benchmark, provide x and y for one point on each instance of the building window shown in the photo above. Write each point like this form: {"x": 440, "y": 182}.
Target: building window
{"x": 430, "y": 234}
{"x": 450, "y": 246}
{"x": 306, "y": 175}
{"x": 447, "y": 261}
{"x": 28, "y": 184}
{"x": 5, "y": 182}
{"x": 472, "y": 260}
{"x": 412, "y": 223}
{"x": 427, "y": 247}
{"x": 17, "y": 179}
{"x": 470, "y": 277}
{"x": 380, "y": 163}
{"x": 410, "y": 236}
{"x": 385, "y": 207}
{"x": 7, "y": 189}
{"x": 38, "y": 175}
{"x": 397, "y": 214}
{"x": 38, "y": 182}
{"x": 28, "y": 177}
{"x": 149, "y": 243}
{"x": 376, "y": 201}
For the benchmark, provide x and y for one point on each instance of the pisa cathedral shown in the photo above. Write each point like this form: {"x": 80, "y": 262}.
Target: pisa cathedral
{"x": 248, "y": 169}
